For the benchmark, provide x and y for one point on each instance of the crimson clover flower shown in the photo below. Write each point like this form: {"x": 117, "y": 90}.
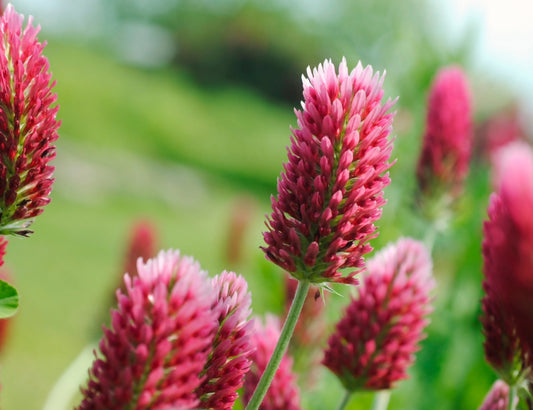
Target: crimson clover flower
{"x": 283, "y": 393}
{"x": 447, "y": 144}
{"x": 508, "y": 266}
{"x": 142, "y": 244}
{"x": 28, "y": 125}
{"x": 375, "y": 341}
{"x": 160, "y": 339}
{"x": 498, "y": 397}
{"x": 229, "y": 359}
{"x": 331, "y": 190}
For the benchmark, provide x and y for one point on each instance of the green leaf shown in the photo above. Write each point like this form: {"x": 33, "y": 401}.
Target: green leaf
{"x": 9, "y": 300}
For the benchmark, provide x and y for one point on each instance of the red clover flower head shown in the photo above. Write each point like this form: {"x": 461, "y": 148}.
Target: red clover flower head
{"x": 142, "y": 244}
{"x": 331, "y": 190}
{"x": 447, "y": 144}
{"x": 159, "y": 341}
{"x": 375, "y": 340}
{"x": 229, "y": 359}
{"x": 498, "y": 397}
{"x": 28, "y": 125}
{"x": 508, "y": 265}
{"x": 283, "y": 393}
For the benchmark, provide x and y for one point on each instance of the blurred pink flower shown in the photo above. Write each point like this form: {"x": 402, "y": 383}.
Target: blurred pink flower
{"x": 159, "y": 341}
{"x": 508, "y": 263}
{"x": 499, "y": 130}
{"x": 28, "y": 125}
{"x": 230, "y": 357}
{"x": 3, "y": 245}
{"x": 331, "y": 190}
{"x": 498, "y": 397}
{"x": 377, "y": 337}
{"x": 142, "y": 244}
{"x": 444, "y": 161}
{"x": 311, "y": 325}
{"x": 283, "y": 393}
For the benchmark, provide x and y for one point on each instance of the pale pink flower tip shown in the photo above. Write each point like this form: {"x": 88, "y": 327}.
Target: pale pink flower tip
{"x": 447, "y": 144}
{"x": 375, "y": 341}
{"x": 230, "y": 357}
{"x": 159, "y": 341}
{"x": 498, "y": 397}
{"x": 331, "y": 190}
{"x": 28, "y": 124}
{"x": 283, "y": 393}
{"x": 508, "y": 265}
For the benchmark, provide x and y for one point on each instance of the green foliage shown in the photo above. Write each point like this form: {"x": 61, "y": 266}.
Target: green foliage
{"x": 9, "y": 300}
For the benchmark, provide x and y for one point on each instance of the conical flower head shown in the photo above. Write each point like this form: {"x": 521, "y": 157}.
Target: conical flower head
{"x": 331, "y": 190}
{"x": 447, "y": 144}
{"x": 375, "y": 341}
{"x": 159, "y": 341}
{"x": 229, "y": 359}
{"x": 142, "y": 244}
{"x": 283, "y": 393}
{"x": 508, "y": 265}
{"x": 498, "y": 397}
{"x": 28, "y": 125}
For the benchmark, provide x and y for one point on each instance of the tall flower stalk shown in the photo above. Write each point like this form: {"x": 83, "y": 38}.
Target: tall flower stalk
{"x": 28, "y": 125}
{"x": 331, "y": 190}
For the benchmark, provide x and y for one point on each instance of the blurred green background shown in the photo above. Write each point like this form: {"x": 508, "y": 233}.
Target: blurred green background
{"x": 179, "y": 113}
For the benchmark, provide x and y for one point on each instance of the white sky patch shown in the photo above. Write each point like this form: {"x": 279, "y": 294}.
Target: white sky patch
{"x": 505, "y": 39}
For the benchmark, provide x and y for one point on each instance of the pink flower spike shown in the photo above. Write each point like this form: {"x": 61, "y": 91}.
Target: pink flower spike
{"x": 498, "y": 397}
{"x": 283, "y": 393}
{"x": 508, "y": 266}
{"x": 447, "y": 144}
{"x": 28, "y": 125}
{"x": 230, "y": 357}
{"x": 331, "y": 190}
{"x": 159, "y": 341}
{"x": 142, "y": 244}
{"x": 375, "y": 341}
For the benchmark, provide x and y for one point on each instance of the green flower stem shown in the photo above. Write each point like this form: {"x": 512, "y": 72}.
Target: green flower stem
{"x": 512, "y": 397}
{"x": 381, "y": 400}
{"x": 281, "y": 347}
{"x": 345, "y": 400}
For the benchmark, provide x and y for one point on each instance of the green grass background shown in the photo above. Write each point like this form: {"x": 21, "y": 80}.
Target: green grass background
{"x": 153, "y": 145}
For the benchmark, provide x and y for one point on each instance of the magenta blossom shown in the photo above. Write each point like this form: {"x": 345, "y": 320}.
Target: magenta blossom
{"x": 508, "y": 265}
{"x": 230, "y": 357}
{"x": 28, "y": 125}
{"x": 331, "y": 190}
{"x": 142, "y": 244}
{"x": 375, "y": 341}
{"x": 498, "y": 397}
{"x": 159, "y": 341}
{"x": 446, "y": 149}
{"x": 283, "y": 393}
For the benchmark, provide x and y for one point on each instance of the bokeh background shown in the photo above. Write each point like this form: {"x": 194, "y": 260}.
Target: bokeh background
{"x": 178, "y": 113}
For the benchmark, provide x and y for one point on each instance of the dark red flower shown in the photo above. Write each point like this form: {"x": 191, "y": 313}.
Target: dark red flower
{"x": 229, "y": 359}
{"x": 508, "y": 265}
{"x": 28, "y": 125}
{"x": 331, "y": 190}
{"x": 375, "y": 341}
{"x": 160, "y": 339}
